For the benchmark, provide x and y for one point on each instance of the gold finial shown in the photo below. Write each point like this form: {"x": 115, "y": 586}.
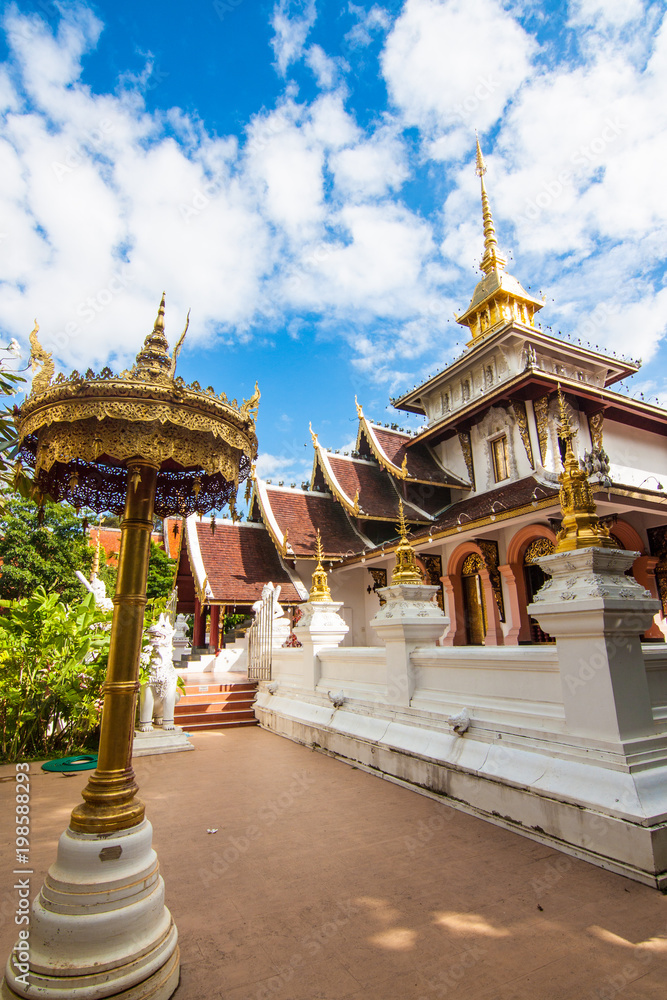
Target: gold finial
{"x": 491, "y": 260}
{"x": 406, "y": 569}
{"x": 42, "y": 363}
{"x": 360, "y": 412}
{"x": 153, "y": 360}
{"x": 581, "y": 527}
{"x": 356, "y": 508}
{"x": 312, "y": 434}
{"x": 404, "y": 467}
{"x": 283, "y": 547}
{"x": 319, "y": 591}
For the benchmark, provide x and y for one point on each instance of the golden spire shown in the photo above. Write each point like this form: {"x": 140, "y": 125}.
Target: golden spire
{"x": 491, "y": 261}
{"x": 153, "y": 359}
{"x": 360, "y": 412}
{"x": 581, "y": 526}
{"x": 406, "y": 569}
{"x": 404, "y": 467}
{"x": 319, "y": 591}
{"x": 312, "y": 434}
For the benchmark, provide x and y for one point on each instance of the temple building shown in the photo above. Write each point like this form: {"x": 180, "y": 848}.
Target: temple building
{"x": 479, "y": 483}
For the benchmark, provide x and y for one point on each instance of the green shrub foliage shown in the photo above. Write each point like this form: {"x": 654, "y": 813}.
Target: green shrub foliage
{"x": 53, "y": 662}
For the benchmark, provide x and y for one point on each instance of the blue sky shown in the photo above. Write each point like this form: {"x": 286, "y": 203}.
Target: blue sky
{"x": 301, "y": 174}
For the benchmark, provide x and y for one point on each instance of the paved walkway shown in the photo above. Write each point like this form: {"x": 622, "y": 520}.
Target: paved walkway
{"x": 327, "y": 883}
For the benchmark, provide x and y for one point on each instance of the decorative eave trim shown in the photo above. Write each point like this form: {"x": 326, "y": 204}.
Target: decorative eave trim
{"x": 369, "y": 430}
{"x": 622, "y": 367}
{"x": 202, "y": 588}
{"x": 348, "y": 504}
{"x": 470, "y": 527}
{"x": 270, "y": 519}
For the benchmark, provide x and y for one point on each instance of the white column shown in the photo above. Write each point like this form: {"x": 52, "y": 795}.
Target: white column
{"x": 320, "y": 627}
{"x": 597, "y": 616}
{"x": 409, "y": 619}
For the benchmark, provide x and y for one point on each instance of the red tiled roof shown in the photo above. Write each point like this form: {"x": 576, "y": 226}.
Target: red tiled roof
{"x": 377, "y": 495}
{"x": 503, "y": 499}
{"x": 239, "y": 559}
{"x": 301, "y": 514}
{"x": 421, "y": 464}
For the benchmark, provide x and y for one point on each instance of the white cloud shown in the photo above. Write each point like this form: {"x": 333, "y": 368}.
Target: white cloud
{"x": 602, "y": 13}
{"x": 291, "y": 21}
{"x": 452, "y": 66}
{"x": 326, "y": 70}
{"x": 371, "y": 168}
{"x": 369, "y": 23}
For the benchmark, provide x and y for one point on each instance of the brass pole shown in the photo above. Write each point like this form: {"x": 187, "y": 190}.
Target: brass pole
{"x": 110, "y": 803}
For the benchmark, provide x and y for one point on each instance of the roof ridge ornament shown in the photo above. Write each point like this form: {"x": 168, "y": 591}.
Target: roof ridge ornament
{"x": 319, "y": 592}
{"x": 406, "y": 569}
{"x": 581, "y": 526}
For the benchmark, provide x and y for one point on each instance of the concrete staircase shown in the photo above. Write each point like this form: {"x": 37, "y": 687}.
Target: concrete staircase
{"x": 216, "y": 705}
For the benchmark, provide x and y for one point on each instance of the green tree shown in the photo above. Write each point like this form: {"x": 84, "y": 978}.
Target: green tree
{"x": 47, "y": 554}
{"x": 161, "y": 573}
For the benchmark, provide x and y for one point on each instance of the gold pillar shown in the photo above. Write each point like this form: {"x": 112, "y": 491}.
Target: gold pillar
{"x": 110, "y": 803}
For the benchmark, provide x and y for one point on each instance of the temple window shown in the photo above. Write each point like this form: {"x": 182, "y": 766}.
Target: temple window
{"x": 500, "y": 456}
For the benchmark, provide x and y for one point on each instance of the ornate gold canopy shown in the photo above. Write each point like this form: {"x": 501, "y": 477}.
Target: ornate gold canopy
{"x": 79, "y": 433}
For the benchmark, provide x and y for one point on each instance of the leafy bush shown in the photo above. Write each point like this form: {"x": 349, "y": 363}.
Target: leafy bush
{"x": 53, "y": 662}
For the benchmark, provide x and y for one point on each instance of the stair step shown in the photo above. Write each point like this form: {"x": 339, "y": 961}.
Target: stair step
{"x": 213, "y": 708}
{"x": 207, "y": 718}
{"x": 219, "y": 698}
{"x": 201, "y": 727}
{"x": 220, "y": 688}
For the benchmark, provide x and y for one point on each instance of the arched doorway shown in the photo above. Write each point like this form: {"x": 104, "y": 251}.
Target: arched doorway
{"x": 534, "y": 577}
{"x": 473, "y": 600}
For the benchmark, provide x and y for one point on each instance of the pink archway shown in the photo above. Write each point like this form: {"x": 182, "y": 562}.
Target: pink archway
{"x": 515, "y": 581}
{"x": 455, "y": 606}
{"x": 643, "y": 568}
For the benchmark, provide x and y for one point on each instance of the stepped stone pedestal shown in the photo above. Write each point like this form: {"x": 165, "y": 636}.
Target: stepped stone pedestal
{"x": 408, "y": 620}
{"x": 99, "y": 927}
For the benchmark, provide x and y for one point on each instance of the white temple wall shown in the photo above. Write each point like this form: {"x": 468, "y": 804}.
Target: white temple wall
{"x": 450, "y": 455}
{"x": 635, "y": 455}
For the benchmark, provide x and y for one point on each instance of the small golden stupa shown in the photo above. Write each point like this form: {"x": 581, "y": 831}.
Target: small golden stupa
{"x": 319, "y": 591}
{"x": 581, "y": 527}
{"x": 406, "y": 569}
